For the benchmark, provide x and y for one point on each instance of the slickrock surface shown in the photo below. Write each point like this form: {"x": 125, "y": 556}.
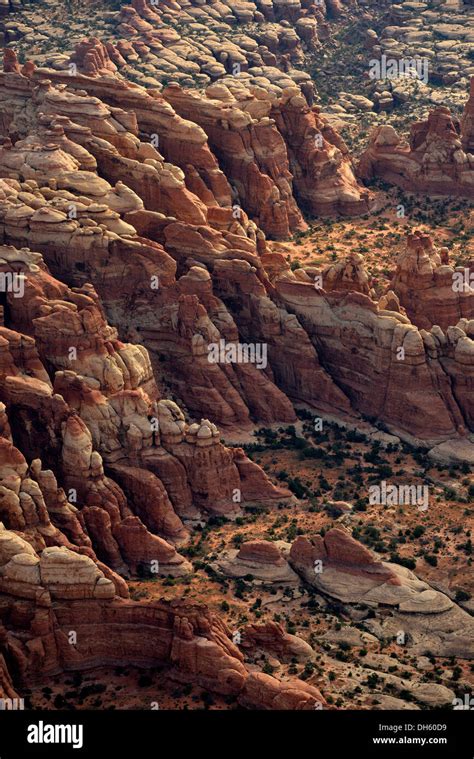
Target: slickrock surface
{"x": 261, "y": 559}
{"x": 344, "y": 569}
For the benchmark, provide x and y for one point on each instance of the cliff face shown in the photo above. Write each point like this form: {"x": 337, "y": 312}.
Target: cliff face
{"x": 62, "y": 591}
{"x": 62, "y": 547}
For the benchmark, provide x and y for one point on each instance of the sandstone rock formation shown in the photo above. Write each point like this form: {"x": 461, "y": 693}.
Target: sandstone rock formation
{"x": 260, "y": 559}
{"x": 103, "y": 412}
{"x": 253, "y": 134}
{"x": 431, "y": 291}
{"x": 323, "y": 174}
{"x": 272, "y": 638}
{"x": 348, "y": 275}
{"x": 437, "y": 160}
{"x": 179, "y": 284}
{"x": 64, "y": 591}
{"x": 279, "y": 133}
{"x": 58, "y": 549}
{"x": 339, "y": 566}
{"x": 143, "y": 313}
{"x": 407, "y": 380}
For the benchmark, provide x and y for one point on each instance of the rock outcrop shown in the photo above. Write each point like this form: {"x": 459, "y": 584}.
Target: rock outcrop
{"x": 383, "y": 363}
{"x": 340, "y": 567}
{"x": 74, "y": 620}
{"x": 260, "y": 559}
{"x": 271, "y": 638}
{"x": 431, "y": 291}
{"x": 348, "y": 275}
{"x": 438, "y": 159}
{"x": 204, "y": 278}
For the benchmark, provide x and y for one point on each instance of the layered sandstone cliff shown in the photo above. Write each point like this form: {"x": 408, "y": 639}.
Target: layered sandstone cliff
{"x": 432, "y": 291}
{"x": 74, "y": 619}
{"x": 83, "y": 179}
